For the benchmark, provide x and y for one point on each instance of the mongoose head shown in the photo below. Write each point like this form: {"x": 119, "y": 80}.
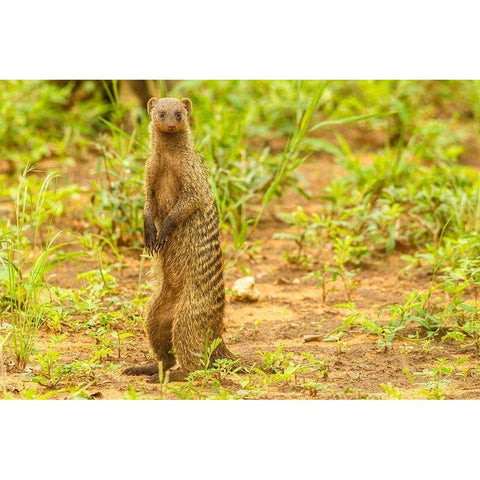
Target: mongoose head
{"x": 169, "y": 115}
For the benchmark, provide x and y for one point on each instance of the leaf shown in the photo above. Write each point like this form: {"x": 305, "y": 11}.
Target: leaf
{"x": 286, "y": 236}
{"x": 356, "y": 118}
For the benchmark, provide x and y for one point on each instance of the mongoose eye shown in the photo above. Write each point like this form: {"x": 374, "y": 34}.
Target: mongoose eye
{"x": 179, "y": 116}
{"x": 162, "y": 115}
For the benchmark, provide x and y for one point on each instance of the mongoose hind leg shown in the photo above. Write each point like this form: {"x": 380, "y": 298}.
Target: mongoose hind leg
{"x": 158, "y": 323}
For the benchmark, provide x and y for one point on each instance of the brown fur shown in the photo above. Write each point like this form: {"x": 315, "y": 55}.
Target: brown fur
{"x": 182, "y": 231}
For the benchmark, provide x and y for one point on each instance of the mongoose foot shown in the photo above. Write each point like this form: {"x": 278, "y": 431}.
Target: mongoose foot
{"x": 148, "y": 369}
{"x": 177, "y": 375}
{"x": 174, "y": 375}
{"x": 153, "y": 378}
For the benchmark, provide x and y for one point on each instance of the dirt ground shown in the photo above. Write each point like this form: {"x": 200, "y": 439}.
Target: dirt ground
{"x": 289, "y": 308}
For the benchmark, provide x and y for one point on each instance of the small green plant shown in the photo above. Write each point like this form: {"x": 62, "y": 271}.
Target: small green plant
{"x": 324, "y": 277}
{"x": 212, "y": 372}
{"x": 276, "y": 361}
{"x": 392, "y": 391}
{"x": 23, "y": 277}
{"x": 437, "y": 378}
{"x": 354, "y": 319}
{"x": 131, "y": 393}
{"x": 52, "y": 373}
{"x": 320, "y": 367}
{"x": 119, "y": 338}
{"x": 256, "y": 324}
{"x": 306, "y": 234}
{"x": 315, "y": 387}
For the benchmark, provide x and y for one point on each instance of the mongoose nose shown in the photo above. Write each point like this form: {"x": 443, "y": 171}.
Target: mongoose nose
{"x": 171, "y": 128}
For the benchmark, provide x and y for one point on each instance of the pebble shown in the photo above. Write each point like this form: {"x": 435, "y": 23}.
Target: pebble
{"x": 245, "y": 290}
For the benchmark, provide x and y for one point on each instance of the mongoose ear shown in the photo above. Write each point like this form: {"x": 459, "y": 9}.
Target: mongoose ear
{"x": 188, "y": 105}
{"x": 150, "y": 104}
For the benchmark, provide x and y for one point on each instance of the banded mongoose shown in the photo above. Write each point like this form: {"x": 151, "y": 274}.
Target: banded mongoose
{"x": 181, "y": 230}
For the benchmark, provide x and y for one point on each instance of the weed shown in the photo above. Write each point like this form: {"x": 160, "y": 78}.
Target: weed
{"x": 52, "y": 373}
{"x": 26, "y": 288}
{"x": 392, "y": 391}
{"x": 314, "y": 388}
{"x": 131, "y": 393}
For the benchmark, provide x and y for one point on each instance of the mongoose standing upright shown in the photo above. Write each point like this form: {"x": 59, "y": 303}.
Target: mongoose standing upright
{"x": 182, "y": 232}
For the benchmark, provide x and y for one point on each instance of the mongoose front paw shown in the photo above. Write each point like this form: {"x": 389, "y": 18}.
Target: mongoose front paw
{"x": 162, "y": 240}
{"x": 150, "y": 233}
{"x": 164, "y": 235}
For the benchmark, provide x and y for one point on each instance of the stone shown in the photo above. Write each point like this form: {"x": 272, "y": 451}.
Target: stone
{"x": 245, "y": 290}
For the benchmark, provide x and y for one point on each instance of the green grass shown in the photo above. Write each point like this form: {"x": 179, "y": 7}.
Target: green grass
{"x": 29, "y": 252}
